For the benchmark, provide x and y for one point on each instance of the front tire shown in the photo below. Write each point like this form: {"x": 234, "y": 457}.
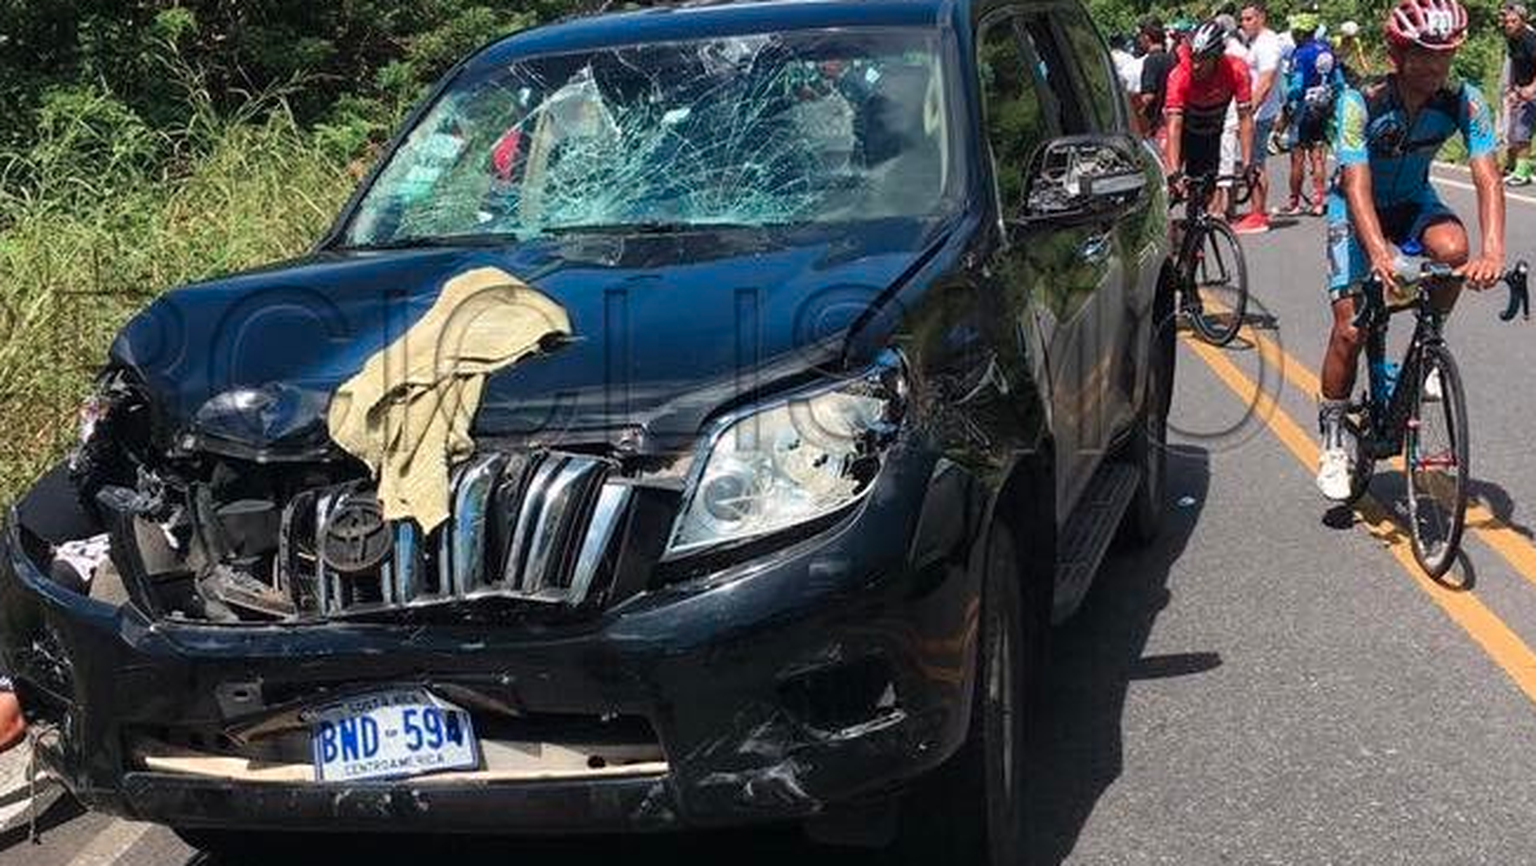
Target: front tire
{"x": 1437, "y": 461}
{"x": 1148, "y": 448}
{"x": 1217, "y": 281}
{"x": 972, "y": 810}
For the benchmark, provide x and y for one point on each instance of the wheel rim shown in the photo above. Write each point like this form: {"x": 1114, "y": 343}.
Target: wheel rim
{"x": 1434, "y": 463}
{"x": 1218, "y": 285}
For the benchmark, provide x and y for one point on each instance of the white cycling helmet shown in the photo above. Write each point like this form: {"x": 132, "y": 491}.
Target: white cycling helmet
{"x": 1349, "y": 29}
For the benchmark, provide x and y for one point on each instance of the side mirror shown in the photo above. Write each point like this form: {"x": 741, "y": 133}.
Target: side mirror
{"x": 1083, "y": 176}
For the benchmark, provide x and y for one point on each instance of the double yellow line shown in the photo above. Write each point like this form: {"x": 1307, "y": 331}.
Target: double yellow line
{"x": 1496, "y": 638}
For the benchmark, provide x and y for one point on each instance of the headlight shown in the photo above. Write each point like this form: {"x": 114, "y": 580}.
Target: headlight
{"x": 791, "y": 462}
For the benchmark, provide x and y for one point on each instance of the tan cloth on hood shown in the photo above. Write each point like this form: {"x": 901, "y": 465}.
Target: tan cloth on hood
{"x": 408, "y": 413}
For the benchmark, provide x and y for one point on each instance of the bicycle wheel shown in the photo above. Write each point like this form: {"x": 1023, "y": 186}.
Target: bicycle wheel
{"x": 1217, "y": 286}
{"x": 1438, "y": 464}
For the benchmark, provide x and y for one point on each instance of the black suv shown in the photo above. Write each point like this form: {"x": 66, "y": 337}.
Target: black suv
{"x": 865, "y": 373}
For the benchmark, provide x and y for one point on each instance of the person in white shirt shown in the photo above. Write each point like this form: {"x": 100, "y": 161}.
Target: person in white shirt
{"x": 1265, "y": 53}
{"x": 1127, "y": 68}
{"x": 1222, "y": 202}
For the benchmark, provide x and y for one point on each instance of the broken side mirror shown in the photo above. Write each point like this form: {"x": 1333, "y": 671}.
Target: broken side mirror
{"x": 1083, "y": 176}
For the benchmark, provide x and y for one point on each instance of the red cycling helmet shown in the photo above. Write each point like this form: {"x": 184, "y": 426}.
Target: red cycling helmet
{"x": 1436, "y": 25}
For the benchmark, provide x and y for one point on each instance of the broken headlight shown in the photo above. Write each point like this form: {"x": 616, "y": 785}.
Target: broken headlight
{"x": 790, "y": 462}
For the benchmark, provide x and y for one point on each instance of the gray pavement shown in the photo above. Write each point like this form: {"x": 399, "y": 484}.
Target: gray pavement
{"x": 1263, "y": 686}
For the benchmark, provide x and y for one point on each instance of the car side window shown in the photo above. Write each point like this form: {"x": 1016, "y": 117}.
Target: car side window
{"x": 1056, "y": 76}
{"x": 1091, "y": 59}
{"x": 1014, "y": 117}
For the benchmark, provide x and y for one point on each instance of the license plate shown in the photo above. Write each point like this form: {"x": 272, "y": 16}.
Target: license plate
{"x": 393, "y": 734}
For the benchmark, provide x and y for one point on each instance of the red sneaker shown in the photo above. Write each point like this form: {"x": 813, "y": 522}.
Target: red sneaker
{"x": 1253, "y": 224}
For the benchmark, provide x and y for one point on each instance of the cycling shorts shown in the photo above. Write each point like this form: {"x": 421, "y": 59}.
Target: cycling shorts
{"x": 1311, "y": 128}
{"x": 1202, "y": 153}
{"x": 1348, "y": 265}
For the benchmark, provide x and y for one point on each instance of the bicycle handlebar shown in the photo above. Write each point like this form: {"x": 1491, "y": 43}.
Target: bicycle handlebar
{"x": 1206, "y": 182}
{"x": 1373, "y": 310}
{"x": 1518, "y": 280}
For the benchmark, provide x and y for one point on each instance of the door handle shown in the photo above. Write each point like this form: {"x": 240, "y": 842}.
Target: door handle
{"x": 1095, "y": 249}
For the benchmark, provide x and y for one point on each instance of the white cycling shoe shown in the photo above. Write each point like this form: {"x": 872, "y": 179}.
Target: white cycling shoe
{"x": 1335, "y": 466}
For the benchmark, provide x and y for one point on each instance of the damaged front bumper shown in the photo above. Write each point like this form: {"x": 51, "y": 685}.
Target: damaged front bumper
{"x": 830, "y": 671}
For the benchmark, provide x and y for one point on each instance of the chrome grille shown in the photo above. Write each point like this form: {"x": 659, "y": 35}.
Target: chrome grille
{"x": 532, "y": 527}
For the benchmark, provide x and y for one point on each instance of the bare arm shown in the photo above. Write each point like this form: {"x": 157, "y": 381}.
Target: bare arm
{"x": 1261, "y": 89}
{"x": 1485, "y": 269}
{"x": 1245, "y": 134}
{"x": 1139, "y": 114}
{"x": 1174, "y": 148}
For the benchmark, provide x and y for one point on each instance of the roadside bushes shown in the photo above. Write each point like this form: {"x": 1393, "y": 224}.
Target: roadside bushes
{"x": 148, "y": 143}
{"x": 102, "y": 212}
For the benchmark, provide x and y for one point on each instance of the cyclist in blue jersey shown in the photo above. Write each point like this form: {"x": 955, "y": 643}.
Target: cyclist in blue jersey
{"x": 1387, "y": 135}
{"x": 1312, "y": 88}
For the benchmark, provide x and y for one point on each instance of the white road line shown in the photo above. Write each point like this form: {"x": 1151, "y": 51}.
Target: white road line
{"x": 1453, "y": 166}
{"x": 112, "y": 843}
{"x": 1512, "y": 196}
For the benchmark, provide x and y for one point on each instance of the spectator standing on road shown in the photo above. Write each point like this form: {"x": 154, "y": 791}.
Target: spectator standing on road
{"x": 1520, "y": 98}
{"x": 12, "y": 726}
{"x": 1156, "y": 63}
{"x": 1222, "y": 203}
{"x": 1127, "y": 58}
{"x": 1264, "y": 55}
{"x": 1314, "y": 85}
{"x": 1351, "y": 54}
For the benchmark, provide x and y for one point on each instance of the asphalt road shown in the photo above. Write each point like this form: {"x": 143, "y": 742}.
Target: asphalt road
{"x": 1271, "y": 684}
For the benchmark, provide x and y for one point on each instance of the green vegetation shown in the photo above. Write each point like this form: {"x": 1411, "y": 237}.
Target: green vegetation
{"x": 148, "y": 143}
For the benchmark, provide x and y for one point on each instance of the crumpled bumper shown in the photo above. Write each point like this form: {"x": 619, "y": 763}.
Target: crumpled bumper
{"x": 826, "y": 672}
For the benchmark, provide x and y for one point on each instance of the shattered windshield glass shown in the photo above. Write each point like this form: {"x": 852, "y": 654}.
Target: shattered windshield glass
{"x": 773, "y": 129}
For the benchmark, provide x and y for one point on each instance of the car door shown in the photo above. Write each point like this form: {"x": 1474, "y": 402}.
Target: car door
{"x": 1076, "y": 275}
{"x": 1125, "y": 309}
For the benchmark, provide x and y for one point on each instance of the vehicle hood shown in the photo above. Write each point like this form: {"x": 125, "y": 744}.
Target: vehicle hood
{"x": 667, "y": 328}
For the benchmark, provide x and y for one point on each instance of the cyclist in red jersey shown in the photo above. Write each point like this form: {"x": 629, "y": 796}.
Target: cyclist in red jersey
{"x": 1200, "y": 87}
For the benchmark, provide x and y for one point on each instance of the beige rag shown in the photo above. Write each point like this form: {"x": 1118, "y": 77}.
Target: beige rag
{"x": 408, "y": 413}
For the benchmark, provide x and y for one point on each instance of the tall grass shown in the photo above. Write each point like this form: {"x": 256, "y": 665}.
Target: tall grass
{"x": 102, "y": 212}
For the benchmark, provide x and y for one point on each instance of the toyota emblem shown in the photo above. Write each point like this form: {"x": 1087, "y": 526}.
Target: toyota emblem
{"x": 356, "y": 537}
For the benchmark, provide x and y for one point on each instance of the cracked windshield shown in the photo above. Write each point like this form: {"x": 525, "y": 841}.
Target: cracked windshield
{"x": 761, "y": 130}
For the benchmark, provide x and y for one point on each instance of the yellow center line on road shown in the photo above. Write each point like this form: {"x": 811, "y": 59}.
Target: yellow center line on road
{"x": 1497, "y": 640}
{"x": 1506, "y": 541}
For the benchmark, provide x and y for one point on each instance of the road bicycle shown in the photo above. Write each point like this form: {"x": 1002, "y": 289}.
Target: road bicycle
{"x": 1417, "y": 408}
{"x": 1210, "y": 272}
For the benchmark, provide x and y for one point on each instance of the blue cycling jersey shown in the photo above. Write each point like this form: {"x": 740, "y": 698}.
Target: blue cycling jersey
{"x": 1372, "y": 127}
{"x": 1315, "y": 74}
{"x": 1304, "y": 64}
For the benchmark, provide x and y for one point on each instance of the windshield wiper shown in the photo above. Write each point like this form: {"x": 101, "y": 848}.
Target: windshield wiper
{"x": 475, "y": 239}
{"x": 644, "y": 228}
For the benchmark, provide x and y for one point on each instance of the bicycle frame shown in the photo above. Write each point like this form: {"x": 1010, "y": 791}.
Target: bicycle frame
{"x": 1191, "y": 227}
{"x": 1382, "y": 436}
